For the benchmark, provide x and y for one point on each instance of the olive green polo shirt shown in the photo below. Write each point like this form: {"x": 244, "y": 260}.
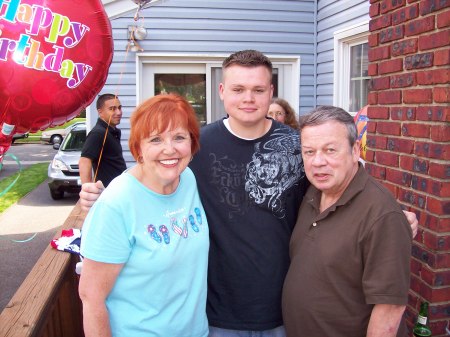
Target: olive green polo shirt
{"x": 346, "y": 259}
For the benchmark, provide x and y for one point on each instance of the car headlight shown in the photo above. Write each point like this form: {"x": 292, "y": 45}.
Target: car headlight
{"x": 59, "y": 165}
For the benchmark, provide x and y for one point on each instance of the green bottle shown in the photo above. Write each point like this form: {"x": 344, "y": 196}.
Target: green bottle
{"x": 421, "y": 328}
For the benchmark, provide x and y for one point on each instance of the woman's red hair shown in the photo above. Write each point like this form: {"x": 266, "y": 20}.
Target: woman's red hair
{"x": 156, "y": 114}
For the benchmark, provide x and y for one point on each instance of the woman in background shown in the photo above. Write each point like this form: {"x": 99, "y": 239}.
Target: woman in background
{"x": 281, "y": 111}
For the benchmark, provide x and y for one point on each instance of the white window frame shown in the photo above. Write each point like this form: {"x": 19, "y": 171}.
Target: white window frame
{"x": 288, "y": 73}
{"x": 344, "y": 39}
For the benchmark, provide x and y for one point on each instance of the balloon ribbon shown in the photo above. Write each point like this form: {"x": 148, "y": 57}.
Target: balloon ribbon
{"x": 2, "y": 193}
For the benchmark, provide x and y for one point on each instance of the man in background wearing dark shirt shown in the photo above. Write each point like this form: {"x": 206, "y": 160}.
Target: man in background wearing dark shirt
{"x": 102, "y": 153}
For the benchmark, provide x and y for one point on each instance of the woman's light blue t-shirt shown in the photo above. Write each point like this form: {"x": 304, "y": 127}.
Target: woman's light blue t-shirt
{"x": 163, "y": 242}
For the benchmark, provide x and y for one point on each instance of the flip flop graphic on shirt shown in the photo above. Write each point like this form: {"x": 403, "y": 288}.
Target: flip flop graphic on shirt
{"x": 198, "y": 215}
{"x": 152, "y": 230}
{"x": 185, "y": 228}
{"x": 177, "y": 229}
{"x": 165, "y": 233}
{"x": 193, "y": 225}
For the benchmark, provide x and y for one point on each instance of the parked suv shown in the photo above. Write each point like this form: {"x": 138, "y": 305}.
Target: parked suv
{"x": 63, "y": 172}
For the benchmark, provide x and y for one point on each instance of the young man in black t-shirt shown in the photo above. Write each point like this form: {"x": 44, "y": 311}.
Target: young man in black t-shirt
{"x": 101, "y": 157}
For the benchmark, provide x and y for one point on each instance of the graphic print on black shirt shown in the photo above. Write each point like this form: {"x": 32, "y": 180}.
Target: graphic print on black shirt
{"x": 275, "y": 166}
{"x": 227, "y": 178}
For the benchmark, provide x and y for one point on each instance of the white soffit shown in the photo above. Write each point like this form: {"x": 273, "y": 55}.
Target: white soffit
{"x": 115, "y": 8}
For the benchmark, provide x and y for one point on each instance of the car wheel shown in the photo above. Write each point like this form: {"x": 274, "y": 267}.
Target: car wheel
{"x": 57, "y": 194}
{"x": 56, "y": 139}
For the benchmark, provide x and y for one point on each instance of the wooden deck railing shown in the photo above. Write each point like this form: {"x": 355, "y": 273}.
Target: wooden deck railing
{"x": 47, "y": 303}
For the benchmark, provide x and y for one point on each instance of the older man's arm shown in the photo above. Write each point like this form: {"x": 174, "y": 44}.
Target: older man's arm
{"x": 385, "y": 320}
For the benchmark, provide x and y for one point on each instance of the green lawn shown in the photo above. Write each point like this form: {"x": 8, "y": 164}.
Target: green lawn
{"x": 33, "y": 137}
{"x": 28, "y": 180}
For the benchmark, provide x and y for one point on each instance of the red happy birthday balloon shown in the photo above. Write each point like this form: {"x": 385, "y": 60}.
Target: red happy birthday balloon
{"x": 54, "y": 60}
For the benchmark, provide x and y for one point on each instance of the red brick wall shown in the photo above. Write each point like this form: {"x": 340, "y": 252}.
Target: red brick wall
{"x": 409, "y": 135}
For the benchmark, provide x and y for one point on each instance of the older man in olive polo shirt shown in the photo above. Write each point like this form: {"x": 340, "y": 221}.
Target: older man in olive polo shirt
{"x": 350, "y": 249}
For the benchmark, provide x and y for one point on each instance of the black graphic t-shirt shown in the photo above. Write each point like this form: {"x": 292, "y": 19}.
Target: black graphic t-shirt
{"x": 251, "y": 191}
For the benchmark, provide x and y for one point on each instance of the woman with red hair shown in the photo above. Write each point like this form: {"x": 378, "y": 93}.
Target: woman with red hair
{"x": 145, "y": 241}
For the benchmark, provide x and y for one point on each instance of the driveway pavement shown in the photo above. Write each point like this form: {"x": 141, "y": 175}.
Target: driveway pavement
{"x": 27, "y": 154}
{"x": 35, "y": 219}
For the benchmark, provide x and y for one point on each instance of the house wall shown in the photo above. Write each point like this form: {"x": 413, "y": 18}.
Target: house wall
{"x": 332, "y": 16}
{"x": 284, "y": 27}
{"x": 409, "y": 136}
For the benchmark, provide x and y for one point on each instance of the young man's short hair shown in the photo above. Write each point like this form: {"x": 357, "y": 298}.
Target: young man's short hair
{"x": 103, "y": 98}
{"x": 248, "y": 58}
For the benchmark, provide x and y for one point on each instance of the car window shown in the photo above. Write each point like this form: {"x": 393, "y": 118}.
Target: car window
{"x": 74, "y": 141}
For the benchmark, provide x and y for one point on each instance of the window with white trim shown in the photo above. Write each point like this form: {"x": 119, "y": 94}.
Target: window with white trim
{"x": 351, "y": 80}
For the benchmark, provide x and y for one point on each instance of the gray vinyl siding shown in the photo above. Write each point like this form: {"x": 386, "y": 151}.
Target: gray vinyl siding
{"x": 333, "y": 15}
{"x": 282, "y": 27}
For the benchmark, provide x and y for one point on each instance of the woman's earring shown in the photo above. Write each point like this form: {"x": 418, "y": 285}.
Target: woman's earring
{"x": 140, "y": 159}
